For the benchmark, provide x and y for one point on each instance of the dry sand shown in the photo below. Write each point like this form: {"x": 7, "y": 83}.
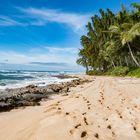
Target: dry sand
{"x": 105, "y": 109}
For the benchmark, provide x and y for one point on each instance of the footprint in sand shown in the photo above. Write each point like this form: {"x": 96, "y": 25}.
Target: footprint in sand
{"x": 85, "y": 121}
{"x": 96, "y": 135}
{"x": 84, "y": 113}
{"x": 100, "y": 101}
{"x": 119, "y": 113}
{"x": 87, "y": 102}
{"x": 102, "y": 97}
{"x": 84, "y": 98}
{"x": 88, "y": 105}
{"x": 108, "y": 107}
{"x": 134, "y": 128}
{"x": 54, "y": 109}
{"x": 109, "y": 127}
{"x": 77, "y": 97}
{"x": 83, "y": 134}
{"x": 51, "y": 107}
{"x": 77, "y": 126}
{"x": 113, "y": 133}
{"x": 67, "y": 113}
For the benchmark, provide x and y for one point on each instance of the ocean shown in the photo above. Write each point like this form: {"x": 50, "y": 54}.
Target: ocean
{"x": 20, "y": 78}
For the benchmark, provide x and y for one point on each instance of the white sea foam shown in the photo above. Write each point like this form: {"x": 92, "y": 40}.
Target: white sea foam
{"x": 17, "y": 79}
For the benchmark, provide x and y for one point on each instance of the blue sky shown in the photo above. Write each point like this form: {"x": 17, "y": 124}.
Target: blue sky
{"x": 45, "y": 34}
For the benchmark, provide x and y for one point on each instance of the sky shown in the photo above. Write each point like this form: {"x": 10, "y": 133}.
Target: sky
{"x": 45, "y": 34}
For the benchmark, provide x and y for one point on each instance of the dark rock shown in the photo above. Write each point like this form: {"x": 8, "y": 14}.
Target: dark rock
{"x": 33, "y": 97}
{"x": 26, "y": 103}
{"x": 5, "y": 106}
{"x": 30, "y": 86}
{"x": 65, "y": 89}
{"x": 2, "y": 84}
{"x": 63, "y": 76}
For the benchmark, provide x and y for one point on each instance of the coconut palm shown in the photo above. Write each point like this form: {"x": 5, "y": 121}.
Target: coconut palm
{"x": 127, "y": 33}
{"x": 111, "y": 40}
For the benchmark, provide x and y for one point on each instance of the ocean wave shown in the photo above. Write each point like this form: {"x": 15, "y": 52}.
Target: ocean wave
{"x": 17, "y": 79}
{"x": 14, "y": 77}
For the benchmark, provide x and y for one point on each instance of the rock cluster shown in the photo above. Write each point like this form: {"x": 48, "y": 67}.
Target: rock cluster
{"x": 32, "y": 95}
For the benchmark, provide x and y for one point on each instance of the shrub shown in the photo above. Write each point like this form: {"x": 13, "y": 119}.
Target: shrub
{"x": 135, "y": 73}
{"x": 94, "y": 72}
{"x": 119, "y": 71}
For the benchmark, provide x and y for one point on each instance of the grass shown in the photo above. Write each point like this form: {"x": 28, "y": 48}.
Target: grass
{"x": 118, "y": 71}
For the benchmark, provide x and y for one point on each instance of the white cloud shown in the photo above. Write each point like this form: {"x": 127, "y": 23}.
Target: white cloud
{"x": 7, "y": 21}
{"x": 58, "y": 50}
{"x": 43, "y": 16}
{"x": 46, "y": 55}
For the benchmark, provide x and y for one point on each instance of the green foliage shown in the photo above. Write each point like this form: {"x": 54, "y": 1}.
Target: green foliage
{"x": 119, "y": 71}
{"x": 135, "y": 5}
{"x": 134, "y": 73}
{"x": 94, "y": 72}
{"x": 112, "y": 42}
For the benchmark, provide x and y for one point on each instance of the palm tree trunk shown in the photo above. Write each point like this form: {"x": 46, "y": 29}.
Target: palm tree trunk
{"x": 136, "y": 62}
{"x": 126, "y": 61}
{"x": 113, "y": 64}
{"x": 120, "y": 61}
{"x": 86, "y": 67}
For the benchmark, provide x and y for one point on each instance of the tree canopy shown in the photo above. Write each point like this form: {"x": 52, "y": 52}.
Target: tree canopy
{"x": 112, "y": 40}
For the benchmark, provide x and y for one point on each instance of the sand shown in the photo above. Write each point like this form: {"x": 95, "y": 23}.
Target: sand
{"x": 106, "y": 109}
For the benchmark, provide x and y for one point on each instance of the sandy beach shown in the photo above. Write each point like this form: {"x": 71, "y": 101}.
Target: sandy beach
{"x": 107, "y": 108}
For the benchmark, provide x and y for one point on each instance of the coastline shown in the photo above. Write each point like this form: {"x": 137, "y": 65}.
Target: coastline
{"x": 106, "y": 108}
{"x": 31, "y": 95}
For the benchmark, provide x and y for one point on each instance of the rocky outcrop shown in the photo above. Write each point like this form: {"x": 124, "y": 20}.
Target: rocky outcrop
{"x": 31, "y": 95}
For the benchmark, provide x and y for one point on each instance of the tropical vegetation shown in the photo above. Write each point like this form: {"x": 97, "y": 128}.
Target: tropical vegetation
{"x": 112, "y": 42}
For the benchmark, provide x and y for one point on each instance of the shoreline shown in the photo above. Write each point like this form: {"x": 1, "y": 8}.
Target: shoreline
{"x": 31, "y": 95}
{"x": 106, "y": 108}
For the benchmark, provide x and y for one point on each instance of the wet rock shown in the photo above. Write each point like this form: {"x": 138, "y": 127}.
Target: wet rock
{"x": 32, "y": 95}
{"x": 46, "y": 90}
{"x": 31, "y": 87}
{"x": 65, "y": 89}
{"x": 63, "y": 76}
{"x": 2, "y": 84}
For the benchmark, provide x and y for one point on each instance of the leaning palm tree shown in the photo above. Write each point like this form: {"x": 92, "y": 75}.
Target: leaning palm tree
{"x": 127, "y": 33}
{"x": 128, "y": 36}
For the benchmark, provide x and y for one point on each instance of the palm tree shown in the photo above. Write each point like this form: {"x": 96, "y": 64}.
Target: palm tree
{"x": 128, "y": 36}
{"x": 82, "y": 60}
{"x": 127, "y": 33}
{"x": 111, "y": 40}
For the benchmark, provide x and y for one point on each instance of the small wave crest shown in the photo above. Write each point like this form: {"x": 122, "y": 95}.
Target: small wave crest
{"x": 16, "y": 79}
